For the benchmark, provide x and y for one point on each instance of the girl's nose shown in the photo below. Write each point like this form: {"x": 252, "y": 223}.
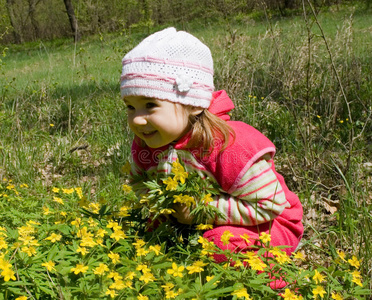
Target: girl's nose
{"x": 139, "y": 119}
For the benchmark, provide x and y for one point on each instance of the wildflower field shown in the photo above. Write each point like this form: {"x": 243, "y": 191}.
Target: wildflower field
{"x": 70, "y": 225}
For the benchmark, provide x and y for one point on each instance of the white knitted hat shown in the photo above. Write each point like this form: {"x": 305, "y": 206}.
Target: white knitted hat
{"x": 170, "y": 65}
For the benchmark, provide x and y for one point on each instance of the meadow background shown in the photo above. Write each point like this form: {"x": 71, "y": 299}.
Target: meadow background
{"x": 302, "y": 75}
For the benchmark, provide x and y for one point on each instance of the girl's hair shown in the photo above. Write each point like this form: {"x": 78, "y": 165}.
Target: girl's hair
{"x": 208, "y": 131}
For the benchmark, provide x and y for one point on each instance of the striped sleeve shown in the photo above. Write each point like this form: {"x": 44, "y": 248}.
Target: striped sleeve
{"x": 136, "y": 179}
{"x": 258, "y": 197}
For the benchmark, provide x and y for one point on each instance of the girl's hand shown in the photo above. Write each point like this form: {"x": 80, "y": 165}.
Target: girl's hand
{"x": 182, "y": 214}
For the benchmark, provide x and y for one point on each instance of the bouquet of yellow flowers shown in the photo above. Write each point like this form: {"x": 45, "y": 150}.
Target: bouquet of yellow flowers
{"x": 186, "y": 188}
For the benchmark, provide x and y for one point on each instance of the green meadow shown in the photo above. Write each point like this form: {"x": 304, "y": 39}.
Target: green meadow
{"x": 304, "y": 81}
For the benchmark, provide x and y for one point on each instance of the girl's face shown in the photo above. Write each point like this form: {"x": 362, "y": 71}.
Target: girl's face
{"x": 158, "y": 122}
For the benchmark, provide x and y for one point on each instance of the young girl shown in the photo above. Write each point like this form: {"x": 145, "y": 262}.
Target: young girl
{"x": 167, "y": 86}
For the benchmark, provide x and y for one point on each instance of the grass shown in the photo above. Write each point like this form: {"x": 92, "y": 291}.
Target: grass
{"x": 57, "y": 96}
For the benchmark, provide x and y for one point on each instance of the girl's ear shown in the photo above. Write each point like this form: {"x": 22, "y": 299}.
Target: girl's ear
{"x": 196, "y": 111}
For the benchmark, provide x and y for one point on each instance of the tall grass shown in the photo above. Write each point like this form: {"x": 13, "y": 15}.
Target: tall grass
{"x": 304, "y": 81}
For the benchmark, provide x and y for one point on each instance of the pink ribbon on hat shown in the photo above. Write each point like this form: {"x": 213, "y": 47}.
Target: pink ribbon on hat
{"x": 221, "y": 104}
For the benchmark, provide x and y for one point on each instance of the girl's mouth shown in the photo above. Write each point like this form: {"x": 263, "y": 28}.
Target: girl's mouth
{"x": 148, "y": 134}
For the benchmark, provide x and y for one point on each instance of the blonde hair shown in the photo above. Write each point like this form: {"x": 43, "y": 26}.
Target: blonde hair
{"x": 208, "y": 131}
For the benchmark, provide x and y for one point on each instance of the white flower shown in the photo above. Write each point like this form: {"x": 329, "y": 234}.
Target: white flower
{"x": 184, "y": 83}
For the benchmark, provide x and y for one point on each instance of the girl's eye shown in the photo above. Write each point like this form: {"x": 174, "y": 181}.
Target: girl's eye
{"x": 150, "y": 105}
{"x": 130, "y": 107}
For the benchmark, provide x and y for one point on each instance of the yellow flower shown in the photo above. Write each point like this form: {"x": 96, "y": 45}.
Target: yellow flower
{"x": 141, "y": 297}
{"x": 115, "y": 257}
{"x": 8, "y": 274}
{"x": 118, "y": 235}
{"x": 118, "y": 285}
{"x": 139, "y": 243}
{"x": 336, "y": 296}
{"x": 204, "y": 227}
{"x": 130, "y": 275}
{"x": 168, "y": 286}
{"x": 318, "y": 278}
{"x": 246, "y": 238}
{"x": 82, "y": 250}
{"x": 58, "y": 200}
{"x": 21, "y": 298}
{"x": 171, "y": 184}
{"x": 184, "y": 199}
{"x": 256, "y": 263}
{"x": 76, "y": 222}
{"x": 51, "y": 125}
{"x": 283, "y": 258}
{"x": 289, "y": 295}
{"x": 156, "y": 249}
{"x": 79, "y": 268}
{"x": 55, "y": 190}
{"x": 147, "y": 277}
{"x": 142, "y": 252}
{"x": 171, "y": 294}
{"x": 3, "y": 244}
{"x": 238, "y": 264}
{"x": 54, "y": 237}
{"x": 299, "y": 255}
{"x": 265, "y": 237}
{"x": 280, "y": 255}
{"x": 207, "y": 199}
{"x": 94, "y": 207}
{"x": 176, "y": 271}
{"x": 144, "y": 268}
{"x": 167, "y": 211}
{"x": 10, "y": 187}
{"x": 357, "y": 278}
{"x": 49, "y": 265}
{"x": 114, "y": 225}
{"x": 177, "y": 167}
{"x": 126, "y": 188}
{"x": 29, "y": 250}
{"x": 92, "y": 223}
{"x": 68, "y": 191}
{"x": 354, "y": 262}
{"x": 79, "y": 192}
{"x": 111, "y": 293}
{"x": 87, "y": 241}
{"x": 46, "y": 211}
{"x": 225, "y": 237}
{"x": 341, "y": 255}
{"x": 123, "y": 212}
{"x": 180, "y": 175}
{"x": 356, "y": 274}
{"x": 101, "y": 269}
{"x": 196, "y": 267}
{"x": 319, "y": 290}
{"x": 276, "y": 251}
{"x": 101, "y": 232}
{"x": 115, "y": 275}
{"x": 241, "y": 293}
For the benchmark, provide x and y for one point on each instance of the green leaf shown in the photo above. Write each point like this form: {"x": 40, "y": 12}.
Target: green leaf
{"x": 220, "y": 292}
{"x": 47, "y": 290}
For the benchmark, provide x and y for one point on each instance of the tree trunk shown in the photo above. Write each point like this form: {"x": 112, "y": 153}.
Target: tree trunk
{"x": 31, "y": 13}
{"x": 72, "y": 19}
{"x": 18, "y": 39}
